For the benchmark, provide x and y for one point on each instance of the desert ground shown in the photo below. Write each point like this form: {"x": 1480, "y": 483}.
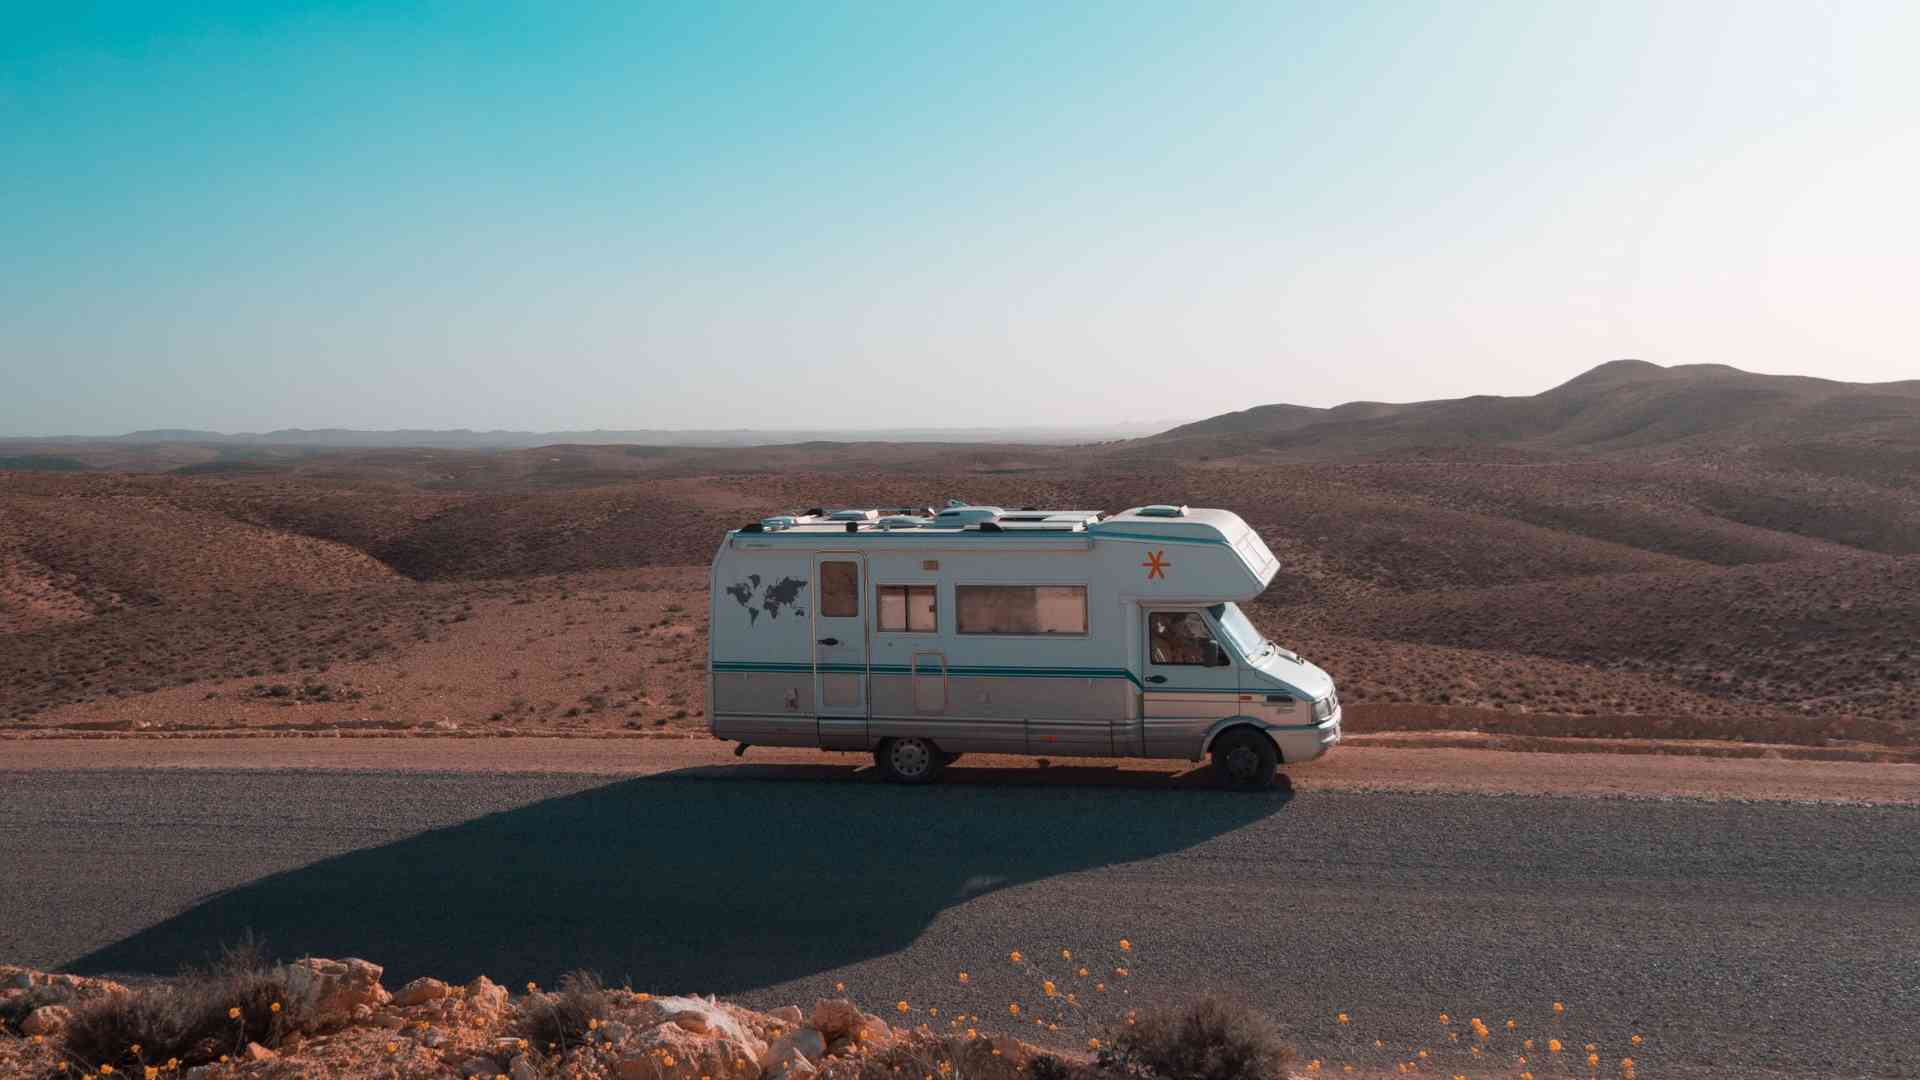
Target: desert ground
{"x": 1641, "y": 556}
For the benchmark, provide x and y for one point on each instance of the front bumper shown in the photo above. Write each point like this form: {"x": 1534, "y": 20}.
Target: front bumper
{"x": 1303, "y": 743}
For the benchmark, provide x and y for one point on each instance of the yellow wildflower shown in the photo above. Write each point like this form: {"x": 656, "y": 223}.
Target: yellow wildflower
{"x": 1047, "y": 988}
{"x": 233, "y": 1013}
{"x": 1093, "y": 1044}
{"x": 903, "y": 1007}
{"x": 1635, "y": 1040}
{"x": 1066, "y": 954}
{"x": 1593, "y": 1060}
{"x": 1512, "y": 1024}
{"x": 1014, "y": 1008}
{"x": 1345, "y": 1019}
{"x": 1015, "y": 956}
{"x": 1553, "y": 1046}
{"x": 963, "y": 977}
{"x": 393, "y": 1047}
{"x": 1559, "y": 1007}
{"x": 274, "y": 1008}
{"x": 1445, "y": 1019}
{"x": 1082, "y": 972}
{"x": 1125, "y": 945}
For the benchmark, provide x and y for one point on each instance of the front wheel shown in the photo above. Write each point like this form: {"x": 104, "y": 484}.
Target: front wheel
{"x": 1245, "y": 759}
{"x": 910, "y": 760}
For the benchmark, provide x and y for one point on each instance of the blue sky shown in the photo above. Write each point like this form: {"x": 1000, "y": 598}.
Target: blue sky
{"x": 561, "y": 215}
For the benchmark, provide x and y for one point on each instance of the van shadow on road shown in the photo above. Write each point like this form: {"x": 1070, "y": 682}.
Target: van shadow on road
{"x": 689, "y": 882}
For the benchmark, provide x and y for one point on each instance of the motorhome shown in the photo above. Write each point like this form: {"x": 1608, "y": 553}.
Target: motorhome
{"x": 919, "y": 635}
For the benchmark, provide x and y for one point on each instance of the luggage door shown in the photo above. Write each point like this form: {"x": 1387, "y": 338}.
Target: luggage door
{"x": 840, "y": 649}
{"x": 1190, "y": 681}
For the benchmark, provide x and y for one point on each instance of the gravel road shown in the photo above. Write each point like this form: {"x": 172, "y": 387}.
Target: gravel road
{"x": 1740, "y": 938}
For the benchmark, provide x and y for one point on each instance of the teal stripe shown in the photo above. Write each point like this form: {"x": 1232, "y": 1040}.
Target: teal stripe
{"x": 902, "y": 669}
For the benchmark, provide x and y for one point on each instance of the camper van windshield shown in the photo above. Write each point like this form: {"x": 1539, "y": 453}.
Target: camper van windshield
{"x": 1240, "y": 629}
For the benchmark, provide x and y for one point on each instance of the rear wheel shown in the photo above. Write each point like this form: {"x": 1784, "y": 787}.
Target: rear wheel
{"x": 1245, "y": 759}
{"x": 909, "y": 761}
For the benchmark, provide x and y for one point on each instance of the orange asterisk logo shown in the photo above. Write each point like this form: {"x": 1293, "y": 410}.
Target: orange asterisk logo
{"x": 1156, "y": 564}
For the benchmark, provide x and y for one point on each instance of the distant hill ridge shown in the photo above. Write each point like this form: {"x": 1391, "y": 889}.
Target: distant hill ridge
{"x": 1621, "y": 405}
{"x": 468, "y": 439}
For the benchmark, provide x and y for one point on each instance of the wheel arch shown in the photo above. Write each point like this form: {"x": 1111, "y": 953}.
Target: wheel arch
{"x": 1222, "y": 726}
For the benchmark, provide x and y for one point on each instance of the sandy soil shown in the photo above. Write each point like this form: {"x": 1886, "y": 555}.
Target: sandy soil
{"x": 1351, "y": 768}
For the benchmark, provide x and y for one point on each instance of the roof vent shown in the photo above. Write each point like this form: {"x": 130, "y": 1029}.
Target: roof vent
{"x": 853, "y": 515}
{"x": 1162, "y": 510}
{"x": 778, "y": 522}
{"x": 968, "y": 515}
{"x": 901, "y": 521}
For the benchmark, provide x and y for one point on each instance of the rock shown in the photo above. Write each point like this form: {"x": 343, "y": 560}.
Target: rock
{"x": 523, "y": 1068}
{"x": 486, "y": 996}
{"x": 47, "y": 1020}
{"x": 480, "y": 1066}
{"x": 841, "y": 1046}
{"x": 804, "y": 1045}
{"x": 796, "y": 1068}
{"x": 433, "y": 1040}
{"x": 389, "y": 1020}
{"x": 616, "y": 1032}
{"x": 723, "y": 1021}
{"x": 789, "y": 1015}
{"x": 726, "y": 1049}
{"x": 835, "y": 1017}
{"x": 326, "y": 992}
{"x": 871, "y": 1030}
{"x": 256, "y": 1052}
{"x": 363, "y": 1014}
{"x": 420, "y": 992}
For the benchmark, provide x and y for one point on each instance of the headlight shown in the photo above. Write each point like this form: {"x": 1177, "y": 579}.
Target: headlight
{"x": 1323, "y": 708}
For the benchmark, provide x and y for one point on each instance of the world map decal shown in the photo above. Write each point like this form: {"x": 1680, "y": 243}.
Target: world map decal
{"x": 771, "y": 598}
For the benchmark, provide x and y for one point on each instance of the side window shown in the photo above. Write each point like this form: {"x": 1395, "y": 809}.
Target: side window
{"x": 1021, "y": 609}
{"x": 1182, "y": 638}
{"x": 908, "y": 609}
{"x": 840, "y": 589}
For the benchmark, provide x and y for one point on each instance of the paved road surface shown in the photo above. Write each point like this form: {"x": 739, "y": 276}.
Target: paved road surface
{"x": 1741, "y": 938}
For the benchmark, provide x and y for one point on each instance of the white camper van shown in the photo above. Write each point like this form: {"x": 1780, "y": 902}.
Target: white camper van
{"x": 919, "y": 636}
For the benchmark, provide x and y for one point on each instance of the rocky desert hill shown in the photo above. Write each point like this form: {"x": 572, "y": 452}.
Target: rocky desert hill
{"x": 1689, "y": 551}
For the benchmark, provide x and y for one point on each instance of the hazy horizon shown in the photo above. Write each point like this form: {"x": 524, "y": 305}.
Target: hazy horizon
{"x": 243, "y": 218}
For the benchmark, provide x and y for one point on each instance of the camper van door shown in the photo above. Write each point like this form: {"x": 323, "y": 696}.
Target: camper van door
{"x": 1190, "y": 680}
{"x": 840, "y": 649}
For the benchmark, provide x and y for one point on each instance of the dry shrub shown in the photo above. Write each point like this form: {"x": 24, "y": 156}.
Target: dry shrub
{"x": 16, "y": 1009}
{"x": 1211, "y": 1039}
{"x": 190, "y": 1017}
{"x": 921, "y": 1055}
{"x": 564, "y": 1018}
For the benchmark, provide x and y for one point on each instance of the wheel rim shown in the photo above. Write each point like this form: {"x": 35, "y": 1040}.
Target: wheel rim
{"x": 910, "y": 757}
{"x": 1243, "y": 763}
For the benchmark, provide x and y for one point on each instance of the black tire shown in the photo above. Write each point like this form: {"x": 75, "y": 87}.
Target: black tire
{"x": 910, "y": 760}
{"x": 1244, "y": 759}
